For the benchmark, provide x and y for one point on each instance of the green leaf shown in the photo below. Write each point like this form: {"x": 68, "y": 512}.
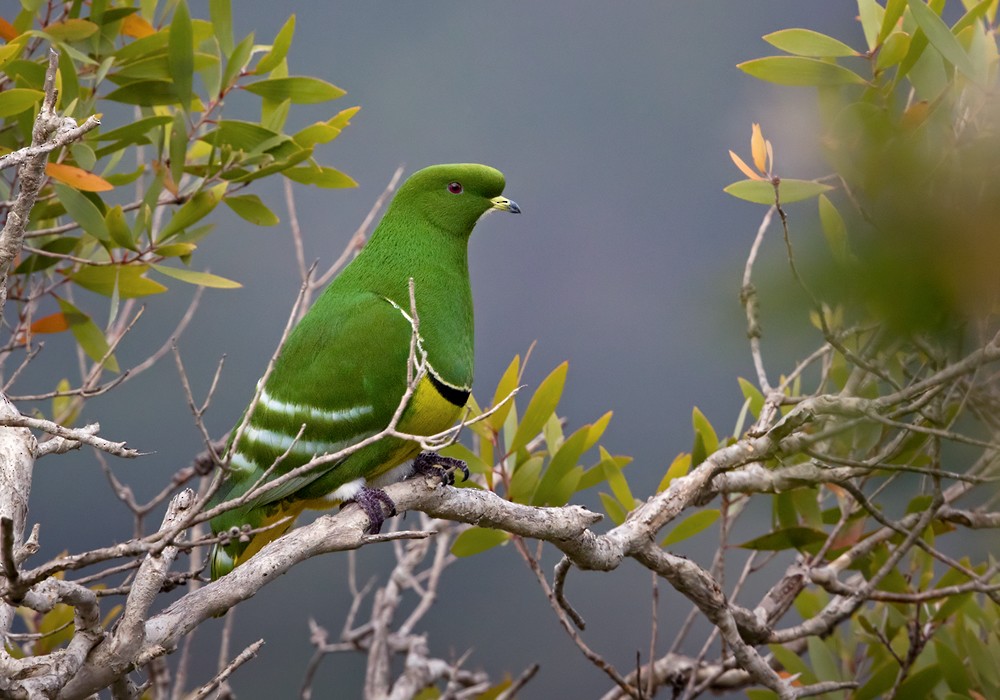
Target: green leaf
{"x": 893, "y": 11}
{"x": 237, "y": 61}
{"x": 792, "y": 663}
{"x": 118, "y": 228}
{"x": 870, "y": 13}
{"x": 298, "y": 89}
{"x": 566, "y": 487}
{"x": 202, "y": 279}
{"x": 678, "y": 468}
{"x": 616, "y": 480}
{"x": 613, "y": 508}
{"x": 708, "y": 434}
{"x": 762, "y": 192}
{"x": 279, "y": 49}
{"x": 175, "y": 250}
{"x": 192, "y": 211}
{"x": 241, "y": 135}
{"x": 320, "y": 176}
{"x": 595, "y": 475}
{"x": 941, "y": 37}
{"x": 754, "y": 395}
{"x": 524, "y": 481}
{"x": 879, "y": 682}
{"x": 324, "y": 132}
{"x": 789, "y": 538}
{"x": 83, "y": 211}
{"x": 36, "y": 263}
{"x": 12, "y": 50}
{"x": 541, "y": 406}
{"x": 806, "y": 42}
{"x": 597, "y": 430}
{"x": 221, "y": 13}
{"x": 146, "y": 93}
{"x": 134, "y": 132}
{"x": 476, "y": 540}
{"x": 893, "y": 50}
{"x": 71, "y": 29}
{"x": 561, "y": 463}
{"x": 798, "y": 70}
{"x": 178, "y": 146}
{"x": 180, "y": 54}
{"x": 16, "y": 100}
{"x": 691, "y": 526}
{"x": 127, "y": 279}
{"x": 833, "y": 228}
{"x": 250, "y": 208}
{"x": 921, "y": 684}
{"x": 824, "y": 661}
{"x": 89, "y": 337}
{"x": 956, "y": 675}
{"x": 507, "y": 383}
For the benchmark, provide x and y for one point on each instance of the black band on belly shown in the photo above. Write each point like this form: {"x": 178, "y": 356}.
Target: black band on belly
{"x": 457, "y": 397}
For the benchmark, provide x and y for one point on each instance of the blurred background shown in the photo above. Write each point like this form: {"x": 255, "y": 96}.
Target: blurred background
{"x": 612, "y": 124}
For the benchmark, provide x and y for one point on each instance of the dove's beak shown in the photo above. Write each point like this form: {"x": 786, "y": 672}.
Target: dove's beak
{"x": 504, "y": 204}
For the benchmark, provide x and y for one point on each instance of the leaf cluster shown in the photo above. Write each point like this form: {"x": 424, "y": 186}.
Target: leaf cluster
{"x": 123, "y": 211}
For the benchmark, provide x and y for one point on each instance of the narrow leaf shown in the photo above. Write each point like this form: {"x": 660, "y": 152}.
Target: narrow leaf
{"x": 180, "y": 54}
{"x": 84, "y": 212}
{"x": 249, "y": 207}
{"x": 507, "y": 383}
{"x": 71, "y": 29}
{"x": 476, "y": 540}
{"x": 127, "y": 281}
{"x": 320, "y": 176}
{"x": 279, "y": 49}
{"x": 613, "y": 508}
{"x": 118, "y": 228}
{"x": 806, "y": 42}
{"x": 192, "y": 211}
{"x": 202, "y": 279}
{"x": 541, "y": 406}
{"x": 834, "y": 229}
{"x": 145, "y": 93}
{"x": 798, "y": 70}
{"x": 298, "y": 89}
{"x": 221, "y": 12}
{"x": 762, "y": 192}
{"x": 691, "y": 526}
{"x": 941, "y": 37}
{"x": 678, "y": 468}
{"x": 16, "y": 100}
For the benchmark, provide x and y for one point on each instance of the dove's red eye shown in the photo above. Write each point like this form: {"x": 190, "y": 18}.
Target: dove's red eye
{"x": 455, "y": 187}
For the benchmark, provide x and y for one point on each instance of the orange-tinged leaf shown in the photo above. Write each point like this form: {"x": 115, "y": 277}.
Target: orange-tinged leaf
{"x": 758, "y": 148}
{"x": 7, "y": 31}
{"x": 77, "y": 178}
{"x": 53, "y": 323}
{"x": 744, "y": 168}
{"x": 135, "y": 25}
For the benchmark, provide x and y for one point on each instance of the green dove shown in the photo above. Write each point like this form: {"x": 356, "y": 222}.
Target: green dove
{"x": 342, "y": 373}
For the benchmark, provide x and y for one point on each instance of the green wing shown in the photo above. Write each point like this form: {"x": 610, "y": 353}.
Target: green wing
{"x": 338, "y": 380}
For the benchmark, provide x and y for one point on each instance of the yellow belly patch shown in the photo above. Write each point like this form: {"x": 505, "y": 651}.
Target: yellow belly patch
{"x": 428, "y": 412}
{"x": 271, "y": 531}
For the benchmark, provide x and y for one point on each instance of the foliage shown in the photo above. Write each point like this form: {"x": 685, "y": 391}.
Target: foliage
{"x": 909, "y": 128}
{"x": 125, "y": 208}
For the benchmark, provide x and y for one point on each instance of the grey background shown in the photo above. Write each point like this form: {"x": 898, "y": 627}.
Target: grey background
{"x": 611, "y": 122}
